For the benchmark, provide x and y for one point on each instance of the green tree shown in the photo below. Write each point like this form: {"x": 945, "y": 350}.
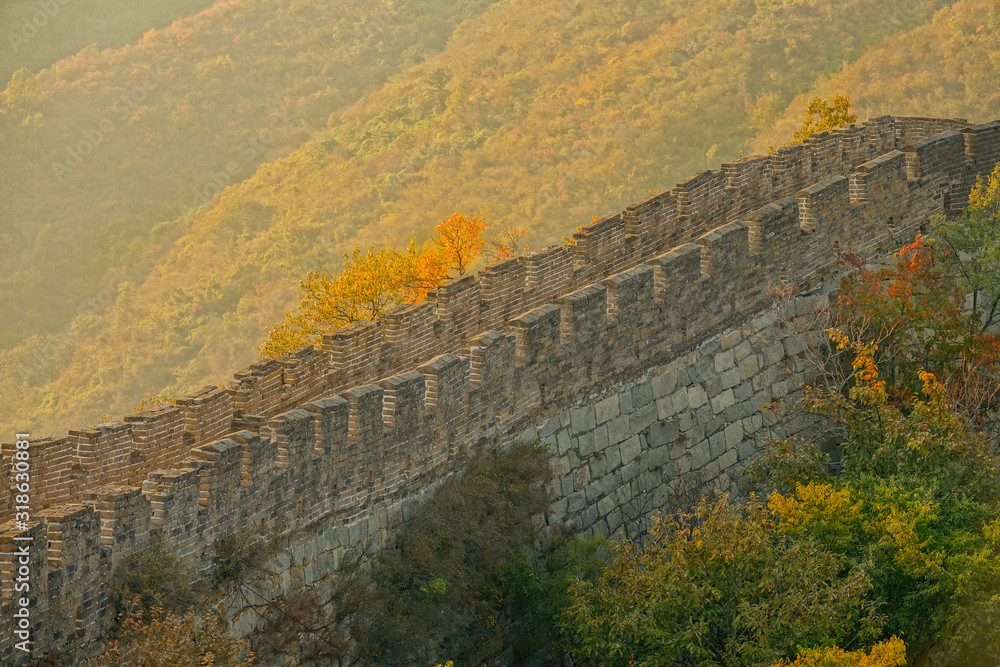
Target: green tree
{"x": 913, "y": 502}
{"x": 720, "y": 586}
{"x": 974, "y": 240}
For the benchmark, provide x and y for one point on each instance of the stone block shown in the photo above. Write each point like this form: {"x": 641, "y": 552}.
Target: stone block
{"x": 563, "y": 441}
{"x": 728, "y": 459}
{"x": 583, "y": 419}
{"x": 743, "y": 391}
{"x": 743, "y": 350}
{"x": 664, "y": 384}
{"x": 724, "y": 361}
{"x": 641, "y": 419}
{"x": 663, "y": 432}
{"x": 642, "y": 395}
{"x": 749, "y": 366}
{"x": 665, "y": 408}
{"x": 618, "y": 430}
{"x": 576, "y": 501}
{"x": 774, "y": 353}
{"x": 700, "y": 454}
{"x": 717, "y": 444}
{"x": 630, "y": 449}
{"x": 723, "y": 401}
{"x": 696, "y": 396}
{"x": 734, "y": 434}
{"x": 625, "y": 401}
{"x": 586, "y": 444}
{"x": 728, "y": 340}
{"x": 549, "y": 427}
{"x": 606, "y": 409}
{"x": 730, "y": 378}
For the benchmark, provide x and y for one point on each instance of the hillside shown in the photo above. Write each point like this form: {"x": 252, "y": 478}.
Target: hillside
{"x": 948, "y": 67}
{"x": 40, "y": 34}
{"x": 112, "y": 143}
{"x": 542, "y": 114}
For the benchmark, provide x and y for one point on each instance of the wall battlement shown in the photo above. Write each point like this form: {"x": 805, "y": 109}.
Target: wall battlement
{"x": 327, "y": 436}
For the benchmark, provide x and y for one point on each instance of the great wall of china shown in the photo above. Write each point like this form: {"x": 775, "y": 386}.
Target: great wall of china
{"x": 628, "y": 351}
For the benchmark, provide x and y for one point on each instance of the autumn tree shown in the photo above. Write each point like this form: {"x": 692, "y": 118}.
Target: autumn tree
{"x": 914, "y": 314}
{"x": 370, "y": 283}
{"x": 913, "y": 500}
{"x": 169, "y": 639}
{"x": 460, "y": 239}
{"x": 890, "y": 653}
{"x": 822, "y": 115}
{"x": 508, "y": 243}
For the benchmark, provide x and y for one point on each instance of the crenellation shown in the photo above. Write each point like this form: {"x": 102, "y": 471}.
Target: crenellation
{"x": 885, "y": 175}
{"x": 599, "y": 249}
{"x": 826, "y": 152}
{"x": 304, "y": 374}
{"x": 403, "y": 398}
{"x": 522, "y": 348}
{"x": 124, "y": 520}
{"x": 537, "y": 333}
{"x": 207, "y": 415}
{"x": 257, "y": 389}
{"x": 355, "y": 351}
{"x": 791, "y": 170}
{"x": 748, "y": 184}
{"x": 701, "y": 200}
{"x": 982, "y": 146}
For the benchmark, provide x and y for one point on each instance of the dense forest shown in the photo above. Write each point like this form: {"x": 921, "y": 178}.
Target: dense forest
{"x": 243, "y": 145}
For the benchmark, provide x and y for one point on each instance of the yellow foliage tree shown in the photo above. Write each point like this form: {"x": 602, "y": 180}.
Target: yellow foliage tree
{"x": 890, "y": 653}
{"x": 821, "y": 116}
{"x": 371, "y": 283}
{"x": 460, "y": 239}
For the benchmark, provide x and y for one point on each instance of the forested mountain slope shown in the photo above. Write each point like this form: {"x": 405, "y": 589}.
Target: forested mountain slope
{"x": 37, "y": 34}
{"x": 948, "y": 67}
{"x": 111, "y": 143}
{"x": 541, "y": 114}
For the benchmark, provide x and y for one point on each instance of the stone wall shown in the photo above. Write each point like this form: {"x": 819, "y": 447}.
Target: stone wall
{"x": 268, "y": 451}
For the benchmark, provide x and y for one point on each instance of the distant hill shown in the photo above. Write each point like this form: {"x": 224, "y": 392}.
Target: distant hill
{"x": 37, "y": 34}
{"x": 948, "y": 67}
{"x": 112, "y": 143}
{"x": 540, "y": 113}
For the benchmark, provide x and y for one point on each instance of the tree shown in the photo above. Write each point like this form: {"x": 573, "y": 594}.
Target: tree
{"x": 460, "y": 240}
{"x": 170, "y": 640}
{"x": 22, "y": 91}
{"x": 974, "y": 240}
{"x": 890, "y": 653}
{"x": 371, "y": 283}
{"x": 721, "y": 585}
{"x": 821, "y": 116}
{"x": 913, "y": 502}
{"x": 913, "y": 314}
{"x": 507, "y": 244}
